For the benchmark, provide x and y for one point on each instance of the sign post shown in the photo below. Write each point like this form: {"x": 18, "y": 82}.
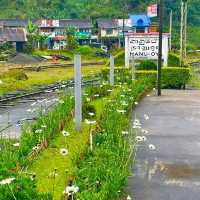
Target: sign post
{"x": 160, "y": 47}
{"x": 78, "y": 101}
{"x": 112, "y": 70}
{"x": 133, "y": 69}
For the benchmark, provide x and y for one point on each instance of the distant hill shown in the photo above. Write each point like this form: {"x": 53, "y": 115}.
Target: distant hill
{"x": 92, "y": 9}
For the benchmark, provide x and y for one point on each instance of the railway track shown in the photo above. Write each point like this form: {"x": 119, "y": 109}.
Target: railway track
{"x": 5, "y": 99}
{"x": 14, "y": 107}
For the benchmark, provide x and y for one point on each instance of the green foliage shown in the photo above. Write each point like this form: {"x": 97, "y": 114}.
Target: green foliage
{"x": 71, "y": 40}
{"x": 104, "y": 171}
{"x": 172, "y": 77}
{"x": 85, "y": 50}
{"x": 15, "y": 74}
{"x": 22, "y": 188}
{"x": 36, "y": 135}
{"x": 147, "y": 65}
{"x": 120, "y": 58}
{"x": 173, "y": 60}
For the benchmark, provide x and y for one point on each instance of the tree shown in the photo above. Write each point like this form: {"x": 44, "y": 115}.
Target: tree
{"x": 32, "y": 31}
{"x": 71, "y": 38}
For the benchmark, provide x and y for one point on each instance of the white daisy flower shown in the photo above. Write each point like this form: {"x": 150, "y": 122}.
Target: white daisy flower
{"x": 125, "y": 133}
{"x": 69, "y": 190}
{"x": 61, "y": 102}
{"x": 144, "y": 138}
{"x": 64, "y": 152}
{"x": 7, "y": 181}
{"x": 35, "y": 148}
{"x": 16, "y": 144}
{"x": 89, "y": 122}
{"x": 43, "y": 126}
{"x": 144, "y": 131}
{"x": 121, "y": 111}
{"x": 38, "y": 131}
{"x": 139, "y": 139}
{"x": 136, "y": 103}
{"x": 65, "y": 133}
{"x": 152, "y": 147}
{"x": 91, "y": 114}
{"x": 146, "y": 117}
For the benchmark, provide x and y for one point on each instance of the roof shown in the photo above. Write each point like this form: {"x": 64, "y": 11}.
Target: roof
{"x": 12, "y": 35}
{"x": 140, "y": 20}
{"x": 107, "y": 23}
{"x": 87, "y": 24}
{"x": 13, "y": 22}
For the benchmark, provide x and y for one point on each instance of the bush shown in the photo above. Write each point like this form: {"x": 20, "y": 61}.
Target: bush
{"x": 172, "y": 77}
{"x": 121, "y": 75}
{"x": 18, "y": 75}
{"x": 173, "y": 60}
{"x": 147, "y": 65}
{"x": 85, "y": 50}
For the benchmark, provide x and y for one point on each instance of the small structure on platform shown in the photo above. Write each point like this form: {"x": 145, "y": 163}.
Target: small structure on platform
{"x": 15, "y": 36}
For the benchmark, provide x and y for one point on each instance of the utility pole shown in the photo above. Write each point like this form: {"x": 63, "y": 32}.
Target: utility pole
{"x": 170, "y": 29}
{"x": 160, "y": 47}
{"x": 183, "y": 32}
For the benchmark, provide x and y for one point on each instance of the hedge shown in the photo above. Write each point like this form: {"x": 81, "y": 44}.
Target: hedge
{"x": 172, "y": 77}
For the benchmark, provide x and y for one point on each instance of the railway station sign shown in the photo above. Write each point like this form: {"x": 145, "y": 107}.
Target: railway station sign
{"x": 144, "y": 46}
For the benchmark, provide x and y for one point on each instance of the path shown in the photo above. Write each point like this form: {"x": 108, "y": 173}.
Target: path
{"x": 172, "y": 171}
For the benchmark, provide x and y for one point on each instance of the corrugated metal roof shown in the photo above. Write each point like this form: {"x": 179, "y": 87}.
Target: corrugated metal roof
{"x": 87, "y": 24}
{"x": 107, "y": 23}
{"x": 12, "y": 35}
{"x": 140, "y": 20}
{"x": 13, "y": 22}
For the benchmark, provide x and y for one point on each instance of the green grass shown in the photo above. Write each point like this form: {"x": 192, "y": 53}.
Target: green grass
{"x": 195, "y": 79}
{"x": 44, "y": 77}
{"x": 51, "y": 159}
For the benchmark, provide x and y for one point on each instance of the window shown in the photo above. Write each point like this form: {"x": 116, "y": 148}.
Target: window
{"x": 109, "y": 31}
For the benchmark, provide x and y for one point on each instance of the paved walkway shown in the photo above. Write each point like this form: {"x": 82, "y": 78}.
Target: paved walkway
{"x": 172, "y": 171}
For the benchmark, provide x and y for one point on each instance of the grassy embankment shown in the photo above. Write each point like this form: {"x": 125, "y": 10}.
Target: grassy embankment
{"x": 9, "y": 81}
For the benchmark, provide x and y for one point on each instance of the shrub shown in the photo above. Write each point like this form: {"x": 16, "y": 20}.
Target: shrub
{"x": 147, "y": 65}
{"x": 18, "y": 75}
{"x": 172, "y": 77}
{"x": 173, "y": 60}
{"x": 85, "y": 50}
{"x": 121, "y": 74}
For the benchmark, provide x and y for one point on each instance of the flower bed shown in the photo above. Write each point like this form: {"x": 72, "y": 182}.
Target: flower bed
{"x": 104, "y": 171}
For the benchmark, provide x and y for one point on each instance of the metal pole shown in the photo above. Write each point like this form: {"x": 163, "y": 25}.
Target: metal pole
{"x": 78, "y": 101}
{"x": 160, "y": 48}
{"x": 181, "y": 35}
{"x": 170, "y": 30}
{"x": 185, "y": 31}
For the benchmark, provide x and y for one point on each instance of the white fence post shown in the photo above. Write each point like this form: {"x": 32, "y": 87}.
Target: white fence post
{"x": 133, "y": 68}
{"x": 112, "y": 70}
{"x": 78, "y": 95}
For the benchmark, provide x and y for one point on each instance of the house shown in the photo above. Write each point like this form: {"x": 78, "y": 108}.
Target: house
{"x": 15, "y": 36}
{"x": 14, "y": 23}
{"x": 110, "y": 31}
{"x": 55, "y": 30}
{"x": 140, "y": 23}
